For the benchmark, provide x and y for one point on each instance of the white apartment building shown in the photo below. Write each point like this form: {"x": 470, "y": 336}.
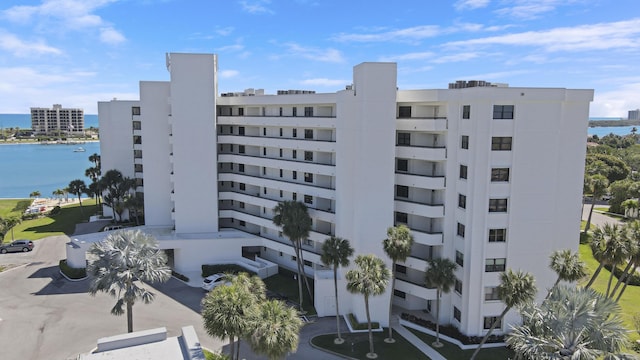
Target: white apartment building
{"x": 57, "y": 120}
{"x": 488, "y": 176}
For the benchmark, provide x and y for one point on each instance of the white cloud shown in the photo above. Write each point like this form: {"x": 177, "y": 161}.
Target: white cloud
{"x": 602, "y": 36}
{"x": 466, "y": 56}
{"x": 224, "y": 31}
{"x": 111, "y": 36}
{"x": 493, "y": 76}
{"x": 20, "y": 48}
{"x": 532, "y": 9}
{"x": 325, "y": 82}
{"x": 231, "y": 48}
{"x": 470, "y": 4}
{"x": 427, "y": 55}
{"x": 323, "y": 55}
{"x": 408, "y": 34}
{"x": 226, "y": 74}
{"x": 256, "y": 7}
{"x": 617, "y": 102}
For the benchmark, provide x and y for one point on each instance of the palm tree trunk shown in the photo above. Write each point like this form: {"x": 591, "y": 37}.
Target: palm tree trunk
{"x": 626, "y": 282}
{"x": 296, "y": 248}
{"x": 232, "y": 347}
{"x": 393, "y": 285}
{"x": 593, "y": 204}
{"x": 486, "y": 337}
{"x": 80, "y": 201}
{"x": 238, "y": 348}
{"x": 335, "y": 289}
{"x": 366, "y": 307}
{"x": 595, "y": 275}
{"x": 622, "y": 278}
{"x": 613, "y": 270}
{"x": 129, "y": 316}
{"x": 553, "y": 287}
{"x": 438, "y": 294}
{"x": 306, "y": 281}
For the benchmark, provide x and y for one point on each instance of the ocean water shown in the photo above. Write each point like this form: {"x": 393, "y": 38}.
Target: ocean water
{"x": 606, "y": 130}
{"x": 26, "y": 168}
{"x": 23, "y": 121}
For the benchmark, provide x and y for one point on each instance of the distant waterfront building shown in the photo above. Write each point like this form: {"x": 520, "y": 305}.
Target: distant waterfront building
{"x": 463, "y": 168}
{"x": 634, "y": 114}
{"x": 57, "y": 120}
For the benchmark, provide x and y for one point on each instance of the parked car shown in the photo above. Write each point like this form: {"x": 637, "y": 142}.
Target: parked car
{"x": 215, "y": 280}
{"x": 18, "y": 245}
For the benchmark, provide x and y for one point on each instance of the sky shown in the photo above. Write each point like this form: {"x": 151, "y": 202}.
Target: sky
{"x": 79, "y": 52}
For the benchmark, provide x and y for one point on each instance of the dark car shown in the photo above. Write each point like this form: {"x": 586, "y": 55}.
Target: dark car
{"x": 18, "y": 245}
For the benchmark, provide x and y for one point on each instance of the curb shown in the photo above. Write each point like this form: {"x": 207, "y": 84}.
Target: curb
{"x": 15, "y": 267}
{"x": 328, "y": 351}
{"x": 70, "y": 279}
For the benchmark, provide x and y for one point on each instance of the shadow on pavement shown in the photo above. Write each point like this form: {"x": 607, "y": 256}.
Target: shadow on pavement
{"x": 186, "y": 295}
{"x": 58, "y": 285}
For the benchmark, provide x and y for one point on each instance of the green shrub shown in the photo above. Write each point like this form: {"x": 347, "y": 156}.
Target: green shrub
{"x": 355, "y": 325}
{"x": 585, "y": 238}
{"x": 210, "y": 269}
{"x": 208, "y": 355}
{"x": 179, "y": 276}
{"x": 55, "y": 210}
{"x": 72, "y": 273}
{"x": 30, "y": 216}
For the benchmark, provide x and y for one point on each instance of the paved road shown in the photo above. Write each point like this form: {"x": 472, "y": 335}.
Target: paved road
{"x": 44, "y": 316}
{"x": 597, "y": 219}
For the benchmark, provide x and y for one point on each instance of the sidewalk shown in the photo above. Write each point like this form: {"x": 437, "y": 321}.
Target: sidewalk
{"x": 415, "y": 341}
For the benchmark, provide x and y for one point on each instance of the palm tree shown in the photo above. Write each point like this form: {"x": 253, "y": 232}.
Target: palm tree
{"x": 295, "y": 221}
{"x": 116, "y": 187}
{"x": 335, "y": 253}
{"x": 119, "y": 266}
{"x": 633, "y": 233}
{"x": 78, "y": 187}
{"x": 95, "y": 159}
{"x": 10, "y": 224}
{"x": 515, "y": 289}
{"x": 598, "y": 187}
{"x": 226, "y": 309}
{"x": 610, "y": 246}
{"x": 275, "y": 329}
{"x": 135, "y": 204}
{"x": 440, "y": 275}
{"x": 631, "y": 207}
{"x": 568, "y": 266}
{"x": 573, "y": 323}
{"x": 35, "y": 194}
{"x": 397, "y": 246}
{"x": 370, "y": 278}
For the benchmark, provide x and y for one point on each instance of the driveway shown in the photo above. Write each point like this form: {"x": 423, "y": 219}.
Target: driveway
{"x": 44, "y": 316}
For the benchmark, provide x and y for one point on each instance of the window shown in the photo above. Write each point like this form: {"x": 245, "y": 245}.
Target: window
{"x": 457, "y": 286}
{"x": 466, "y": 111}
{"x": 399, "y": 294}
{"x": 495, "y": 265}
{"x": 503, "y": 111}
{"x": 264, "y": 190}
{"x": 490, "y": 320}
{"x": 241, "y": 130}
{"x": 241, "y": 205}
{"x": 460, "y": 230}
{"x": 401, "y": 217}
{"x": 404, "y": 111}
{"x": 264, "y": 170}
{"x": 499, "y": 174}
{"x": 280, "y": 152}
{"x": 264, "y": 151}
{"x": 137, "y": 154}
{"x": 137, "y": 167}
{"x": 462, "y": 201}
{"x": 294, "y": 153}
{"x": 281, "y": 193}
{"x": 137, "y": 139}
{"x": 402, "y": 165}
{"x": 135, "y": 110}
{"x": 280, "y": 111}
{"x": 243, "y": 223}
{"x": 294, "y": 132}
{"x": 308, "y": 199}
{"x": 463, "y": 171}
{"x": 295, "y": 196}
{"x": 307, "y": 262}
{"x": 308, "y": 111}
{"x": 294, "y": 111}
{"x": 491, "y": 293}
{"x": 295, "y": 175}
{"x": 459, "y": 258}
{"x": 308, "y": 155}
{"x": 241, "y": 167}
{"x": 401, "y": 269}
{"x": 243, "y": 186}
{"x": 264, "y": 131}
{"x": 404, "y": 139}
{"x": 137, "y": 125}
{"x": 241, "y": 111}
{"x": 280, "y": 172}
{"x": 308, "y": 133}
{"x": 308, "y": 177}
{"x": 497, "y": 205}
{"x": 457, "y": 314}
{"x": 139, "y": 182}
{"x": 501, "y": 143}
{"x": 497, "y": 235}
{"x": 241, "y": 149}
{"x": 280, "y": 131}
{"x": 464, "y": 142}
{"x": 402, "y": 191}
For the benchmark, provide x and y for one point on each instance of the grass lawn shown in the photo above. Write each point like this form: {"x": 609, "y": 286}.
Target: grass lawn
{"x": 401, "y": 349}
{"x": 60, "y": 224}
{"x": 629, "y": 300}
{"x": 13, "y": 207}
{"x": 453, "y": 352}
{"x": 283, "y": 283}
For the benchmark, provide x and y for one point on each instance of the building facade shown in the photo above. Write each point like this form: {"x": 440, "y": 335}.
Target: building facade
{"x": 487, "y": 176}
{"x": 57, "y": 121}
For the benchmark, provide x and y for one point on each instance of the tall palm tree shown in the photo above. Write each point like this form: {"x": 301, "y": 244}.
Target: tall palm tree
{"x": 335, "y": 253}
{"x": 275, "y": 329}
{"x": 568, "y": 266}
{"x": 397, "y": 246}
{"x": 631, "y": 207}
{"x": 295, "y": 221}
{"x": 35, "y": 194}
{"x": 633, "y": 233}
{"x": 370, "y": 278}
{"x": 573, "y": 323}
{"x": 610, "y": 246}
{"x": 9, "y": 224}
{"x": 440, "y": 275}
{"x": 121, "y": 263}
{"x": 598, "y": 186}
{"x": 77, "y": 187}
{"x": 515, "y": 289}
{"x": 116, "y": 187}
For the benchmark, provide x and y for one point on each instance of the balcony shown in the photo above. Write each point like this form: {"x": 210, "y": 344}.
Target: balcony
{"x": 431, "y": 124}
{"x": 415, "y": 289}
{"x": 326, "y": 192}
{"x": 278, "y": 163}
{"x": 420, "y": 180}
{"x": 417, "y": 208}
{"x": 430, "y": 153}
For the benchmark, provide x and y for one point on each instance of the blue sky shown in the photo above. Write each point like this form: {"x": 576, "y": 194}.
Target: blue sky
{"x": 79, "y": 52}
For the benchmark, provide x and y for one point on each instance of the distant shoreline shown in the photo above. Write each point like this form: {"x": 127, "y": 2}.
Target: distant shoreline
{"x": 35, "y": 142}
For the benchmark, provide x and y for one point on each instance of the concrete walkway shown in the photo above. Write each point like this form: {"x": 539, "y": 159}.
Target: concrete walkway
{"x": 415, "y": 341}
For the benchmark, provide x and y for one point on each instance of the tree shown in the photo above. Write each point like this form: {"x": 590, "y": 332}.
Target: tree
{"x": 116, "y": 187}
{"x": 633, "y": 234}
{"x": 598, "y": 185}
{"x": 370, "y": 278}
{"x": 515, "y": 289}
{"x": 573, "y": 323}
{"x": 631, "y": 207}
{"x": 275, "y": 329}
{"x": 620, "y": 191}
{"x": 9, "y": 224}
{"x": 121, "y": 263}
{"x": 35, "y": 194}
{"x": 335, "y": 253}
{"x": 397, "y": 246}
{"x": 135, "y": 204}
{"x": 295, "y": 221}
{"x": 568, "y": 266}
{"x": 58, "y": 193}
{"x": 77, "y": 187}
{"x": 440, "y": 275}
{"x": 610, "y": 246}
{"x": 616, "y": 168}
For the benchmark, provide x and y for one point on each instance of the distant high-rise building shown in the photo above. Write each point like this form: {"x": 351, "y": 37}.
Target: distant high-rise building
{"x": 57, "y": 120}
{"x": 634, "y": 114}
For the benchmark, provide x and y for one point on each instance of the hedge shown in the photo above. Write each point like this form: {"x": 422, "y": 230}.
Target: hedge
{"x": 179, "y": 276}
{"x": 210, "y": 269}
{"x": 72, "y": 273}
{"x": 355, "y": 325}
